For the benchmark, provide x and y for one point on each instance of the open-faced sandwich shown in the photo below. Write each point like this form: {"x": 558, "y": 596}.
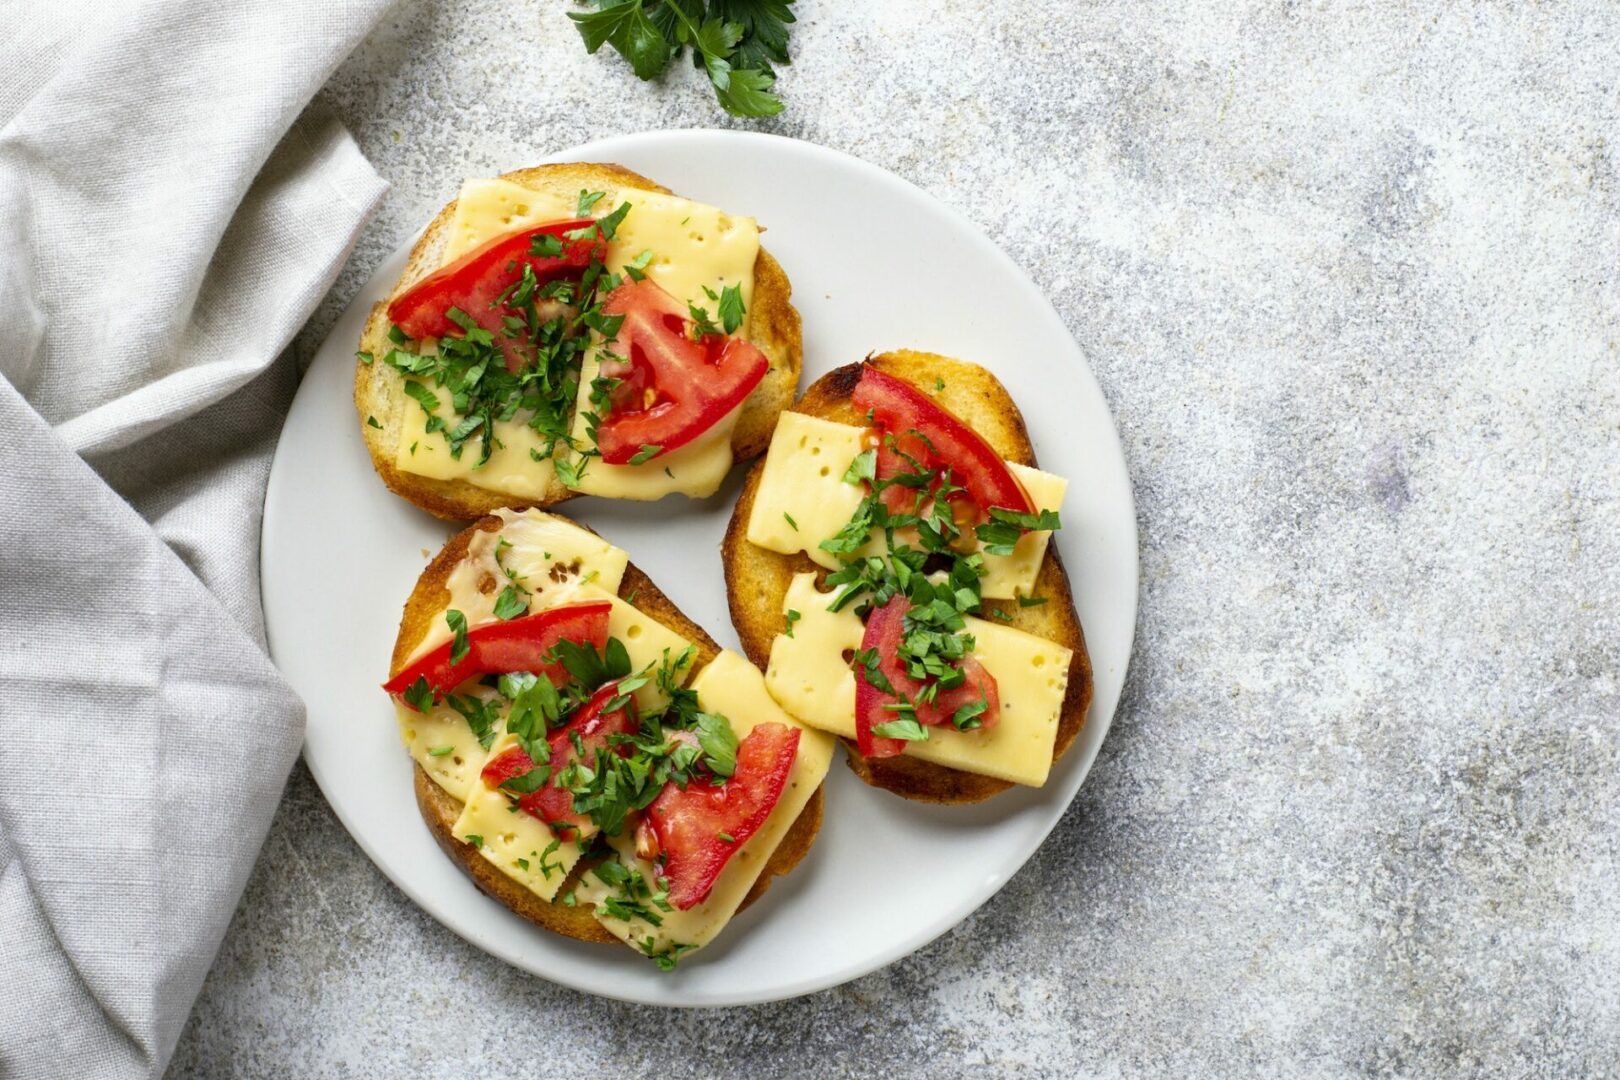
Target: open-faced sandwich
{"x": 588, "y": 754}
{"x": 888, "y": 566}
{"x": 575, "y": 329}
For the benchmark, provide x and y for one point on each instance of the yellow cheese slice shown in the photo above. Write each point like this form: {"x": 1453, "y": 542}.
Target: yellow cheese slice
{"x": 441, "y": 742}
{"x": 517, "y": 843}
{"x": 802, "y": 500}
{"x": 732, "y": 687}
{"x": 810, "y": 677}
{"x": 693, "y": 247}
{"x": 488, "y": 207}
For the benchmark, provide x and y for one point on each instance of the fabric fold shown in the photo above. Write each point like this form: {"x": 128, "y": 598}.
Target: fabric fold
{"x": 170, "y": 214}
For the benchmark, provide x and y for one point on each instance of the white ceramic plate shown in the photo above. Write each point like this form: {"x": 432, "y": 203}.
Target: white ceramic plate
{"x": 875, "y": 264}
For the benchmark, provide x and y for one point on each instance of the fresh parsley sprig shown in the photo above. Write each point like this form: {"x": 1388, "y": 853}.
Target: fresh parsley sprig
{"x": 735, "y": 42}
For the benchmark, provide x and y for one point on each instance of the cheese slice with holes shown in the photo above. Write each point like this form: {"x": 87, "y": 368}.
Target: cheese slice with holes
{"x": 515, "y": 842}
{"x": 693, "y": 248}
{"x": 732, "y": 687}
{"x": 802, "y": 500}
{"x": 810, "y": 676}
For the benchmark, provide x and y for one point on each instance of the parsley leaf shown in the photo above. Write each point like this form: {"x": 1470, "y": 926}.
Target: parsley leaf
{"x": 636, "y": 268}
{"x": 645, "y": 454}
{"x": 528, "y": 782}
{"x": 509, "y": 605}
{"x": 481, "y": 716}
{"x": 419, "y": 695}
{"x": 862, "y": 469}
{"x": 904, "y": 728}
{"x": 731, "y": 308}
{"x": 719, "y": 744}
{"x": 749, "y": 94}
{"x": 792, "y": 617}
{"x": 632, "y": 35}
{"x": 587, "y": 199}
{"x": 1000, "y": 534}
{"x": 458, "y": 647}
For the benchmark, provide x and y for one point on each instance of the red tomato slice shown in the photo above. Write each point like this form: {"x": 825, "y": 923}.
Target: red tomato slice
{"x": 885, "y": 627}
{"x": 899, "y": 407}
{"x": 688, "y": 823}
{"x": 673, "y": 389}
{"x": 474, "y": 283}
{"x": 518, "y": 645}
{"x": 552, "y": 804}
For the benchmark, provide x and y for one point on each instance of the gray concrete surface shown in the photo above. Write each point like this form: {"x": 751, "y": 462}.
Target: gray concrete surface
{"x": 1346, "y": 273}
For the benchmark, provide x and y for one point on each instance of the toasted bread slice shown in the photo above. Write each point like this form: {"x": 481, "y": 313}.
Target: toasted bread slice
{"x": 757, "y": 579}
{"x": 379, "y": 392}
{"x": 440, "y": 809}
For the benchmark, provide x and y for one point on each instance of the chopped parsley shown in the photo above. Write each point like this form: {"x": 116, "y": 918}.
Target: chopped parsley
{"x": 1001, "y": 533}
{"x": 441, "y": 751}
{"x": 719, "y": 744}
{"x": 903, "y": 728}
{"x": 939, "y": 582}
{"x": 419, "y": 695}
{"x": 546, "y": 868}
{"x": 645, "y": 454}
{"x": 522, "y": 367}
{"x": 731, "y": 308}
{"x": 512, "y": 603}
{"x": 636, "y": 268}
{"x": 792, "y": 617}
{"x": 459, "y": 647}
{"x": 794, "y": 525}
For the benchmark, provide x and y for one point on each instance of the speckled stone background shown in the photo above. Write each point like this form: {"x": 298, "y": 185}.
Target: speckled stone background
{"x": 1346, "y": 273}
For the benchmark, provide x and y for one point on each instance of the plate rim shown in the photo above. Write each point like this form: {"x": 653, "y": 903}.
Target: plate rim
{"x": 609, "y": 148}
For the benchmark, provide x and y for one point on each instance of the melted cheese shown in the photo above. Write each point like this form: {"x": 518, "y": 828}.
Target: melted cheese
{"x": 810, "y": 677}
{"x": 804, "y": 479}
{"x": 559, "y": 562}
{"x": 515, "y": 842}
{"x": 694, "y": 247}
{"x": 550, "y": 556}
{"x": 732, "y": 687}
